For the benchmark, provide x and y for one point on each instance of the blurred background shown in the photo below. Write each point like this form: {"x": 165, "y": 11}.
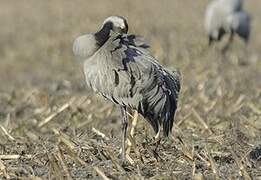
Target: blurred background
{"x": 36, "y": 36}
{"x": 38, "y": 74}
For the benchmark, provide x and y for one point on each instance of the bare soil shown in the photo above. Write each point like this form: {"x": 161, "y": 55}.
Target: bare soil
{"x": 53, "y": 127}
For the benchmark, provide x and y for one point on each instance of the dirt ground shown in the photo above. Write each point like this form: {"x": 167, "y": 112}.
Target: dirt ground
{"x": 53, "y": 127}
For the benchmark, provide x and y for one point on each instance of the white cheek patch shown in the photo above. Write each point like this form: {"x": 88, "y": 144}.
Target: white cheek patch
{"x": 119, "y": 23}
{"x": 122, "y": 26}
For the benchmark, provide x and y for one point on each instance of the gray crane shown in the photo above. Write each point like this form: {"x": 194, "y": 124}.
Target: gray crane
{"x": 226, "y": 16}
{"x": 120, "y": 67}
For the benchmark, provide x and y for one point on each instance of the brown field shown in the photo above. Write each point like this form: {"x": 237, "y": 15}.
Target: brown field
{"x": 50, "y": 123}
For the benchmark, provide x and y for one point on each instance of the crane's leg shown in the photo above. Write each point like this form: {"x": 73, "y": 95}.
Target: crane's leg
{"x": 210, "y": 41}
{"x": 124, "y": 132}
{"x": 230, "y": 40}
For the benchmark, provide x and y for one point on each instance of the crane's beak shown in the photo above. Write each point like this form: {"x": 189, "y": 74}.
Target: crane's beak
{"x": 124, "y": 30}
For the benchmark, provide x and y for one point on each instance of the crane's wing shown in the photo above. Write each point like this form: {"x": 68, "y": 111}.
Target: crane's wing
{"x": 136, "y": 40}
{"x": 139, "y": 81}
{"x": 240, "y": 23}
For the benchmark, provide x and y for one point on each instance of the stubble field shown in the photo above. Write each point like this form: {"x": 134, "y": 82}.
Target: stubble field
{"x": 53, "y": 127}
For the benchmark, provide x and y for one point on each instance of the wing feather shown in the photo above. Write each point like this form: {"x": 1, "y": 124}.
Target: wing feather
{"x": 141, "y": 83}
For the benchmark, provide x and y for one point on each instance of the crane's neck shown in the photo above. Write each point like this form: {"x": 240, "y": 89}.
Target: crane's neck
{"x": 103, "y": 34}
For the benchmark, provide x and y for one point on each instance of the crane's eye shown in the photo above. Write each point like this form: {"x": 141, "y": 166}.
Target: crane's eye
{"x": 120, "y": 30}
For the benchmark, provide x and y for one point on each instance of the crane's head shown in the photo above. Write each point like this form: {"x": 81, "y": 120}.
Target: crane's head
{"x": 116, "y": 24}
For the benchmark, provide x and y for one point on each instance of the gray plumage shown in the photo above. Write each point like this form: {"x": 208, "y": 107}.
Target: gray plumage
{"x": 226, "y": 16}
{"x": 240, "y": 24}
{"x": 120, "y": 67}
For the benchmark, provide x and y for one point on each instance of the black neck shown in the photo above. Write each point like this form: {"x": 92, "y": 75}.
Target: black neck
{"x": 103, "y": 35}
